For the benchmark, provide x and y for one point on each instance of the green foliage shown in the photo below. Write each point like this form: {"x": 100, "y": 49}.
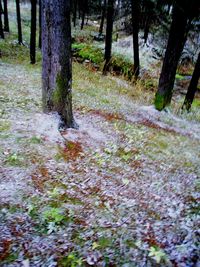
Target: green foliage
{"x": 179, "y": 77}
{"x": 54, "y": 215}
{"x": 14, "y": 159}
{"x": 157, "y": 254}
{"x": 70, "y": 261}
{"x": 122, "y": 66}
{"x": 86, "y": 51}
{"x": 4, "y": 125}
{"x": 35, "y": 140}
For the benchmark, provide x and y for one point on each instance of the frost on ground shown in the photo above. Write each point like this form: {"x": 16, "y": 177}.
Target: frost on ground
{"x": 123, "y": 190}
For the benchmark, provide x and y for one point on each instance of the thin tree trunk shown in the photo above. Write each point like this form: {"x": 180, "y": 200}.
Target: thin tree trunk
{"x": 56, "y": 63}
{"x": 75, "y": 12}
{"x": 33, "y": 31}
{"x": 6, "y": 21}
{"x": 102, "y": 17}
{"x": 135, "y": 22}
{"x": 40, "y": 25}
{"x": 19, "y": 27}
{"x": 109, "y": 31}
{"x": 181, "y": 20}
{"x": 1, "y": 25}
{"x": 192, "y": 87}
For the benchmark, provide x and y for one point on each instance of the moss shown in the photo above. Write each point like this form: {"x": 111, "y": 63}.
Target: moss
{"x": 159, "y": 102}
{"x": 60, "y": 90}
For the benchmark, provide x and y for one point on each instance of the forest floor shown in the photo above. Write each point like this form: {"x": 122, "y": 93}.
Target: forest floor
{"x": 122, "y": 190}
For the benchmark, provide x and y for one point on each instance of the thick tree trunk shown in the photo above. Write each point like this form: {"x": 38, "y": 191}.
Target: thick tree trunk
{"x": 33, "y": 31}
{"x": 102, "y": 17}
{"x": 181, "y": 20}
{"x": 40, "y": 26}
{"x": 192, "y": 87}
{"x": 6, "y": 21}
{"x": 19, "y": 27}
{"x": 135, "y": 22}
{"x": 109, "y": 31}
{"x": 56, "y": 64}
{"x": 1, "y": 24}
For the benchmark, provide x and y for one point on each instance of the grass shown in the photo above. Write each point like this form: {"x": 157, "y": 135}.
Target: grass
{"x": 87, "y": 199}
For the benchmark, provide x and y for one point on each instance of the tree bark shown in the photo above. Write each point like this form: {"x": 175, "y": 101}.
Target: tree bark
{"x": 75, "y": 12}
{"x": 1, "y": 25}
{"x": 6, "y": 21}
{"x": 40, "y": 26}
{"x": 109, "y": 31}
{"x": 19, "y": 27}
{"x": 135, "y": 4}
{"x": 56, "y": 63}
{"x": 102, "y": 17}
{"x": 181, "y": 19}
{"x": 33, "y": 31}
{"x": 192, "y": 87}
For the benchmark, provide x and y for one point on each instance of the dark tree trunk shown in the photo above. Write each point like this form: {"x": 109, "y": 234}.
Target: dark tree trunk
{"x": 109, "y": 31}
{"x": 40, "y": 26}
{"x": 181, "y": 20}
{"x": 1, "y": 25}
{"x": 102, "y": 17}
{"x": 135, "y": 4}
{"x": 19, "y": 27}
{"x": 56, "y": 63}
{"x": 33, "y": 31}
{"x": 75, "y": 12}
{"x": 192, "y": 87}
{"x": 84, "y": 7}
{"x": 6, "y": 21}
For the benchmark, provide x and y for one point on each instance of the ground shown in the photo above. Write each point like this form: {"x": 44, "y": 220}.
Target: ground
{"x": 122, "y": 190}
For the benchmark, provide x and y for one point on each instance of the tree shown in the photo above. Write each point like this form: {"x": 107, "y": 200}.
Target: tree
{"x": 109, "y": 31}
{"x": 75, "y": 3}
{"x": 19, "y": 27}
{"x": 40, "y": 26}
{"x": 192, "y": 87}
{"x": 102, "y": 17}
{"x": 33, "y": 31}
{"x": 1, "y": 25}
{"x": 56, "y": 64}
{"x": 6, "y": 21}
{"x": 183, "y": 14}
{"x": 135, "y": 5}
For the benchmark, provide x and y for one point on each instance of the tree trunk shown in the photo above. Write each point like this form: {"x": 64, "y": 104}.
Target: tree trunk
{"x": 56, "y": 63}
{"x": 181, "y": 20}
{"x": 6, "y": 21}
{"x": 192, "y": 87}
{"x": 84, "y": 7}
{"x": 40, "y": 26}
{"x": 75, "y": 12}
{"x": 135, "y": 22}
{"x": 33, "y": 31}
{"x": 109, "y": 31}
{"x": 1, "y": 25}
{"x": 102, "y": 17}
{"x": 19, "y": 27}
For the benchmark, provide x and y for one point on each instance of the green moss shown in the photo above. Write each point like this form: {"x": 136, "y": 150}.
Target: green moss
{"x": 59, "y": 92}
{"x": 159, "y": 101}
{"x": 4, "y": 126}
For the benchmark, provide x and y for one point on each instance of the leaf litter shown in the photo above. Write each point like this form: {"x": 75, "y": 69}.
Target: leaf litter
{"x": 123, "y": 190}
